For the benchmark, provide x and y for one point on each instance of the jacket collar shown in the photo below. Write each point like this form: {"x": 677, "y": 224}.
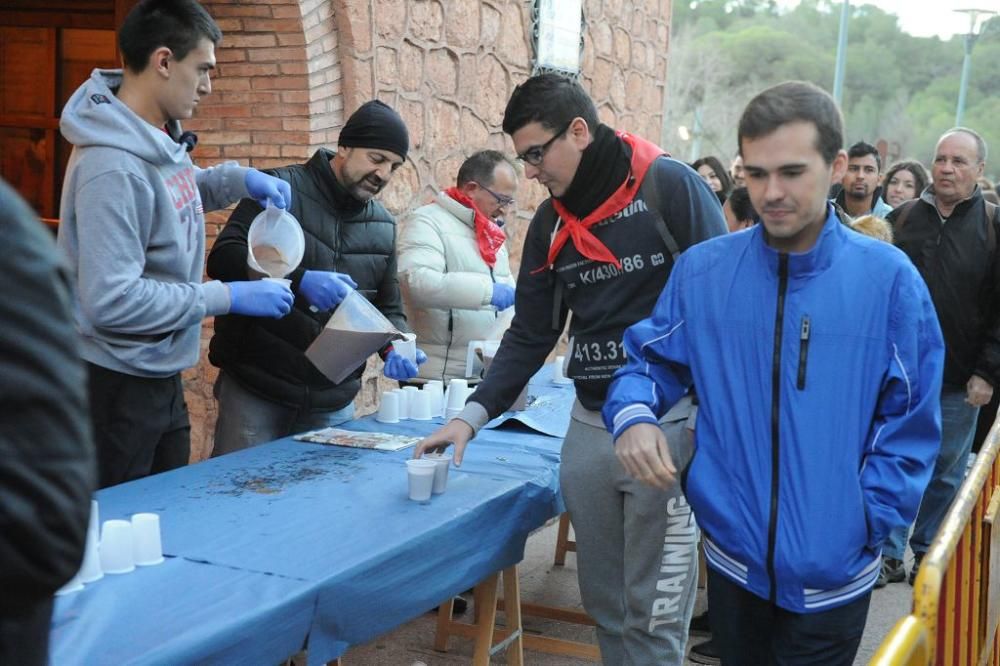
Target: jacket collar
{"x": 335, "y": 193}
{"x": 815, "y": 260}
{"x": 873, "y": 205}
{"x": 463, "y": 213}
{"x": 928, "y": 196}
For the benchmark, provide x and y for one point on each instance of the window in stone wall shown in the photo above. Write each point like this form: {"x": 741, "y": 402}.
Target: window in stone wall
{"x": 558, "y": 32}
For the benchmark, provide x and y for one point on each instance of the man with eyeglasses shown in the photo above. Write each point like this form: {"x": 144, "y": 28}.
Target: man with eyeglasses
{"x": 453, "y": 266}
{"x": 601, "y": 248}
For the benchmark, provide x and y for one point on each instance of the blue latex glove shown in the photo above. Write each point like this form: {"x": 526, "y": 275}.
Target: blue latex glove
{"x": 262, "y": 188}
{"x": 400, "y": 368}
{"x": 260, "y": 298}
{"x": 503, "y": 296}
{"x": 325, "y": 289}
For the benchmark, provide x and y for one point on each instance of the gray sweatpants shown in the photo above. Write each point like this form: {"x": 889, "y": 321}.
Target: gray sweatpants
{"x": 636, "y": 545}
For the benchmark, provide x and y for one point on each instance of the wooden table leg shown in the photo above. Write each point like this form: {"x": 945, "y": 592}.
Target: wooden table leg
{"x": 486, "y": 605}
{"x": 443, "y": 625}
{"x": 512, "y": 614}
{"x": 490, "y": 639}
{"x": 563, "y": 543}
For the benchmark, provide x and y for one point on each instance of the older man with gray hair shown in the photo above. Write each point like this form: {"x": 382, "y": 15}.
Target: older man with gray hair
{"x": 950, "y": 234}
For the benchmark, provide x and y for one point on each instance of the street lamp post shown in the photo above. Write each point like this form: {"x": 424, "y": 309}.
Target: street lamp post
{"x": 838, "y": 72}
{"x": 970, "y": 41}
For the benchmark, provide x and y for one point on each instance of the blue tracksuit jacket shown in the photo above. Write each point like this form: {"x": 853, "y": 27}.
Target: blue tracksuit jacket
{"x": 818, "y": 377}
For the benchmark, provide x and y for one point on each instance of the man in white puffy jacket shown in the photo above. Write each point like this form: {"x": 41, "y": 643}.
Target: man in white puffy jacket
{"x": 453, "y": 263}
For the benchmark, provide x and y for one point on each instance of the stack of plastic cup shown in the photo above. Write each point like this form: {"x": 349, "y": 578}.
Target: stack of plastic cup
{"x": 458, "y": 391}
{"x": 435, "y": 388}
{"x": 420, "y": 406}
{"x": 443, "y": 461}
{"x": 411, "y": 392}
{"x": 420, "y": 475}
{"x": 388, "y": 409}
{"x": 404, "y": 403}
{"x": 116, "y": 547}
{"x": 147, "y": 547}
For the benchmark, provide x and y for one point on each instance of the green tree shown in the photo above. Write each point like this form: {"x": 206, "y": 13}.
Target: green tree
{"x": 898, "y": 87}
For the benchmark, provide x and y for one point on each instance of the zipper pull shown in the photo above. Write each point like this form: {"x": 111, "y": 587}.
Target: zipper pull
{"x": 804, "y": 331}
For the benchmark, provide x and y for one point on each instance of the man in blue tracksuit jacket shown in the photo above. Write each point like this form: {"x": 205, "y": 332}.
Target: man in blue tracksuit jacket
{"x": 818, "y": 360}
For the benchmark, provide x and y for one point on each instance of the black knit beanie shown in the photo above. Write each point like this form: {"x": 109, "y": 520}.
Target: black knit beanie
{"x": 376, "y": 125}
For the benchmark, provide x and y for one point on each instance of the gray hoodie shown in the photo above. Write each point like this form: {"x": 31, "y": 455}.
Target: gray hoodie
{"x": 133, "y": 228}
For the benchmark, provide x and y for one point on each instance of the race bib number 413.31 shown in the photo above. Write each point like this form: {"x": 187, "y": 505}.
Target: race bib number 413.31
{"x": 595, "y": 356}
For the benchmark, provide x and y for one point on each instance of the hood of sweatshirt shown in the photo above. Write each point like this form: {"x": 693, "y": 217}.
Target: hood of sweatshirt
{"x": 94, "y": 116}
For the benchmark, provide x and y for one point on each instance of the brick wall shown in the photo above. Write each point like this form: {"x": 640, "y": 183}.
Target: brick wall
{"x": 290, "y": 71}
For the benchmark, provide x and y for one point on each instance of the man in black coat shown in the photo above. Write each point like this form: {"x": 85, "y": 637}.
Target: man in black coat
{"x": 950, "y": 234}
{"x": 267, "y": 387}
{"x": 47, "y": 470}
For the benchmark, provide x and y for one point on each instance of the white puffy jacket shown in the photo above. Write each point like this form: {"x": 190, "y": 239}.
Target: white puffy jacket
{"x": 446, "y": 285}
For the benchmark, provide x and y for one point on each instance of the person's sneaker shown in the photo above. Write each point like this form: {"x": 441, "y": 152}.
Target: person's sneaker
{"x": 892, "y": 571}
{"x": 699, "y": 624}
{"x": 917, "y": 557}
{"x": 705, "y": 653}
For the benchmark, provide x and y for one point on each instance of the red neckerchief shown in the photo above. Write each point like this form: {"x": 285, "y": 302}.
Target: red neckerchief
{"x": 489, "y": 236}
{"x": 578, "y": 229}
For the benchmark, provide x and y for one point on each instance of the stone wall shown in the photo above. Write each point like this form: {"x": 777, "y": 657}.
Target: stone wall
{"x": 290, "y": 72}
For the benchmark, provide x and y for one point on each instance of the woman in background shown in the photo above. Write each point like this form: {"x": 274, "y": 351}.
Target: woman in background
{"x": 712, "y": 172}
{"x": 904, "y": 181}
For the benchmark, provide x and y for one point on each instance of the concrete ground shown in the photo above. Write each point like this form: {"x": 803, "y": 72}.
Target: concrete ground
{"x": 543, "y": 582}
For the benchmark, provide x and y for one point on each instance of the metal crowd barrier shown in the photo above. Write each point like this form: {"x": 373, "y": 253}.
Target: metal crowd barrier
{"x": 956, "y": 596}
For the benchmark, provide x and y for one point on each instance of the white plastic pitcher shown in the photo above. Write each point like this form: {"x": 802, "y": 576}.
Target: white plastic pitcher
{"x": 357, "y": 315}
{"x": 275, "y": 242}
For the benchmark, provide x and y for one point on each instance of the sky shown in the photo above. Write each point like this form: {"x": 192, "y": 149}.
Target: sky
{"x": 925, "y": 18}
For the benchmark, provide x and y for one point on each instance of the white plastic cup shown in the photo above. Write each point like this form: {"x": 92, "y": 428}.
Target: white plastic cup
{"x": 116, "y": 547}
{"x": 147, "y": 547}
{"x": 284, "y": 281}
{"x": 388, "y": 409}
{"x": 410, "y": 392}
{"x": 407, "y": 348}
{"x": 404, "y": 403}
{"x": 435, "y": 388}
{"x": 420, "y": 475}
{"x": 90, "y": 570}
{"x": 558, "y": 377}
{"x": 420, "y": 406}
{"x": 458, "y": 391}
{"x": 452, "y": 412}
{"x": 443, "y": 461}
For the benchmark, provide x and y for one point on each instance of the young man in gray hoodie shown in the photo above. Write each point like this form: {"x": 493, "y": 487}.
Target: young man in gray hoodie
{"x": 133, "y": 228}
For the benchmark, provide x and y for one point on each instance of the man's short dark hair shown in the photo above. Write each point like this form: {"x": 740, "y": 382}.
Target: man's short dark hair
{"x": 860, "y": 149}
{"x": 481, "y": 166}
{"x": 177, "y": 24}
{"x": 742, "y": 207}
{"x": 795, "y": 101}
{"x": 550, "y": 99}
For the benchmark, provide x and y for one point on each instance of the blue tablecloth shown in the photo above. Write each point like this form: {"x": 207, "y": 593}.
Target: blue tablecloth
{"x": 287, "y": 540}
{"x": 182, "y": 612}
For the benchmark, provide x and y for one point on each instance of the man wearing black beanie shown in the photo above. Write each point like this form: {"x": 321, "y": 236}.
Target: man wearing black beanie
{"x": 267, "y": 388}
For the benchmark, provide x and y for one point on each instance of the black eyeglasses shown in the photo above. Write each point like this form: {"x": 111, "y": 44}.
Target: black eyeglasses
{"x": 503, "y": 200}
{"x": 536, "y": 154}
